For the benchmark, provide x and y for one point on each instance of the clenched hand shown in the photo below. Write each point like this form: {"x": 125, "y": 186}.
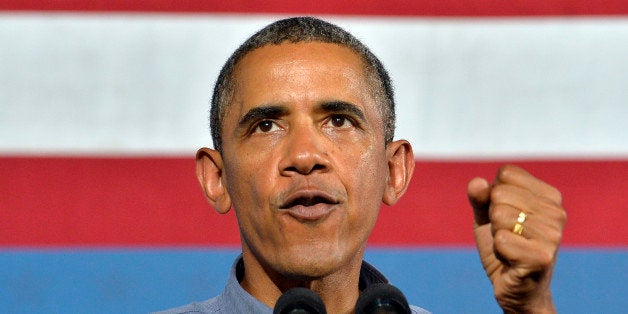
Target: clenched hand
{"x": 519, "y": 265}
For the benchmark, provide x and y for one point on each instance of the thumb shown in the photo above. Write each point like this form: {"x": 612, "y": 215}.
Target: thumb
{"x": 479, "y": 192}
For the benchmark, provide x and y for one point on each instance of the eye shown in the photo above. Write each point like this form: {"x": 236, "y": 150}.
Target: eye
{"x": 265, "y": 126}
{"x": 339, "y": 121}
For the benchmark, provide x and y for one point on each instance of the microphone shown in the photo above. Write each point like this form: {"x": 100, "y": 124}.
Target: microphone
{"x": 382, "y": 298}
{"x": 299, "y": 301}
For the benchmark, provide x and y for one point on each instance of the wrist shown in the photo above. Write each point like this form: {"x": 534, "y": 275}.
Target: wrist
{"x": 543, "y": 305}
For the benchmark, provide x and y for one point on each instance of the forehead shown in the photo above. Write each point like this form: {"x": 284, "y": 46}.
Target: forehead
{"x": 327, "y": 54}
{"x": 306, "y": 70}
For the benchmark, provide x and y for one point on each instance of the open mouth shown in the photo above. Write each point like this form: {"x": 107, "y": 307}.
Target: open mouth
{"x": 309, "y": 205}
{"x": 308, "y": 201}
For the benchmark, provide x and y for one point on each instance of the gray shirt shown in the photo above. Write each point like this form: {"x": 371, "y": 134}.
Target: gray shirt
{"x": 234, "y": 299}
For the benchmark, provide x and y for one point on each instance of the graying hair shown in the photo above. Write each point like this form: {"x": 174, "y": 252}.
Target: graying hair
{"x": 296, "y": 30}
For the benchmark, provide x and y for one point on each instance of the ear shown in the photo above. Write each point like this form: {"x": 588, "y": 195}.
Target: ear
{"x": 400, "y": 170}
{"x": 209, "y": 174}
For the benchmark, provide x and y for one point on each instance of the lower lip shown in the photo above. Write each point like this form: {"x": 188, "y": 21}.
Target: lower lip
{"x": 310, "y": 213}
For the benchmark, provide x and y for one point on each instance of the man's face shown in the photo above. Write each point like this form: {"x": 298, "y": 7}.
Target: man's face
{"x": 304, "y": 157}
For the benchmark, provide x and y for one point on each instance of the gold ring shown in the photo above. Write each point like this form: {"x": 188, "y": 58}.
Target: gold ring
{"x": 518, "y": 229}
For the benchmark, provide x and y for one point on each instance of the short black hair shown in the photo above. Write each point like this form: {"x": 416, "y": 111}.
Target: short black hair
{"x": 296, "y": 30}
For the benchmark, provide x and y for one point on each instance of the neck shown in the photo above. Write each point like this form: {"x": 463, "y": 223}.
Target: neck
{"x": 338, "y": 289}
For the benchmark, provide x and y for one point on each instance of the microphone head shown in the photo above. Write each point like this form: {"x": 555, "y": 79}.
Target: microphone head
{"x": 299, "y": 301}
{"x": 382, "y": 298}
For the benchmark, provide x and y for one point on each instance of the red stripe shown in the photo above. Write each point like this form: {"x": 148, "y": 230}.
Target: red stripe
{"x": 156, "y": 201}
{"x": 435, "y": 208}
{"x": 365, "y": 7}
{"x": 76, "y": 201}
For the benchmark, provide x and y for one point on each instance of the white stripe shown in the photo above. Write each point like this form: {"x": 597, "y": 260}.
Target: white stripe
{"x": 90, "y": 83}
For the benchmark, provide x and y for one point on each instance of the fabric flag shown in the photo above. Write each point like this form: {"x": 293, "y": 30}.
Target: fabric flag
{"x": 104, "y": 103}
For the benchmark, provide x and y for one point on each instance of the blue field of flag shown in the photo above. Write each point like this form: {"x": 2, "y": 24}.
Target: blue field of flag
{"x": 144, "y": 280}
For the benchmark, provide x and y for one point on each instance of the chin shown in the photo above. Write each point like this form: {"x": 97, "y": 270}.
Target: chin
{"x": 313, "y": 263}
{"x": 308, "y": 270}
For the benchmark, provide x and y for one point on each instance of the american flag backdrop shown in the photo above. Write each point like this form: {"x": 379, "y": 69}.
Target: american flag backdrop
{"x": 104, "y": 103}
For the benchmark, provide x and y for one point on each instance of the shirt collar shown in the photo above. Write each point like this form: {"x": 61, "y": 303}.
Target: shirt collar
{"x": 237, "y": 298}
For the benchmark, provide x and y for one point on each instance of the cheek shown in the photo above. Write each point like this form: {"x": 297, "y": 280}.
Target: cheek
{"x": 249, "y": 200}
{"x": 251, "y": 176}
{"x": 248, "y": 190}
{"x": 373, "y": 168}
{"x": 368, "y": 177}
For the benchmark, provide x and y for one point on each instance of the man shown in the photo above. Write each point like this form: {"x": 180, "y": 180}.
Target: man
{"x": 302, "y": 121}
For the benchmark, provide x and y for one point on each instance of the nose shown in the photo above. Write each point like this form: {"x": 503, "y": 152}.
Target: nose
{"x": 304, "y": 152}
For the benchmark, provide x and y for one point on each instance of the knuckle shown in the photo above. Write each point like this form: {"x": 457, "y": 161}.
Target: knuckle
{"x": 499, "y": 213}
{"x": 545, "y": 258}
{"x": 555, "y": 195}
{"x": 505, "y": 172}
{"x": 558, "y": 195}
{"x": 554, "y": 236}
{"x": 556, "y": 213}
{"x": 498, "y": 193}
{"x": 500, "y": 239}
{"x": 552, "y": 209}
{"x": 562, "y": 216}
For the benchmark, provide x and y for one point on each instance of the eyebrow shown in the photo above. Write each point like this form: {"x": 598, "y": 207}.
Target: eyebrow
{"x": 261, "y": 113}
{"x": 274, "y": 111}
{"x": 338, "y": 106}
